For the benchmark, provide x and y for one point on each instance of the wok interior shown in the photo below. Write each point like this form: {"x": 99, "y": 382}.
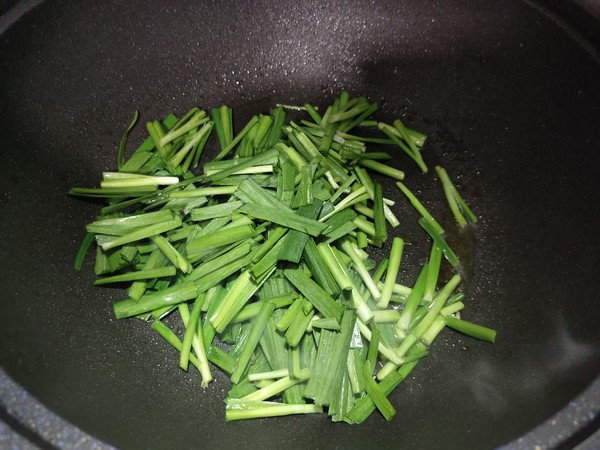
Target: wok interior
{"x": 509, "y": 101}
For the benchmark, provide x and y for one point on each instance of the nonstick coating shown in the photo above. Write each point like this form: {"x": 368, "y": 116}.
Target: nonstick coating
{"x": 510, "y": 98}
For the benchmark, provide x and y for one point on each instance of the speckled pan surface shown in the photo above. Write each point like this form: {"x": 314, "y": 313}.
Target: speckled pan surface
{"x": 510, "y": 99}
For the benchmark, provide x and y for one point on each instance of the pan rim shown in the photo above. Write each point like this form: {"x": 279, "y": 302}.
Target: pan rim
{"x": 27, "y": 418}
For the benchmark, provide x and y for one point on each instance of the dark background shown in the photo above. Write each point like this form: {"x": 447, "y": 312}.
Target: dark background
{"x": 510, "y": 99}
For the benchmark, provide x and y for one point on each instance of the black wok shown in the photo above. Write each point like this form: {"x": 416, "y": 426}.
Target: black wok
{"x": 509, "y": 94}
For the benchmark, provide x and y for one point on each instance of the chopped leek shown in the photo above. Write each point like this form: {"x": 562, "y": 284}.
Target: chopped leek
{"x": 270, "y": 244}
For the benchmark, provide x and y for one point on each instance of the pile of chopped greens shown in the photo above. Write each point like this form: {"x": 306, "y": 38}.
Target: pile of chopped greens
{"x": 263, "y": 252}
